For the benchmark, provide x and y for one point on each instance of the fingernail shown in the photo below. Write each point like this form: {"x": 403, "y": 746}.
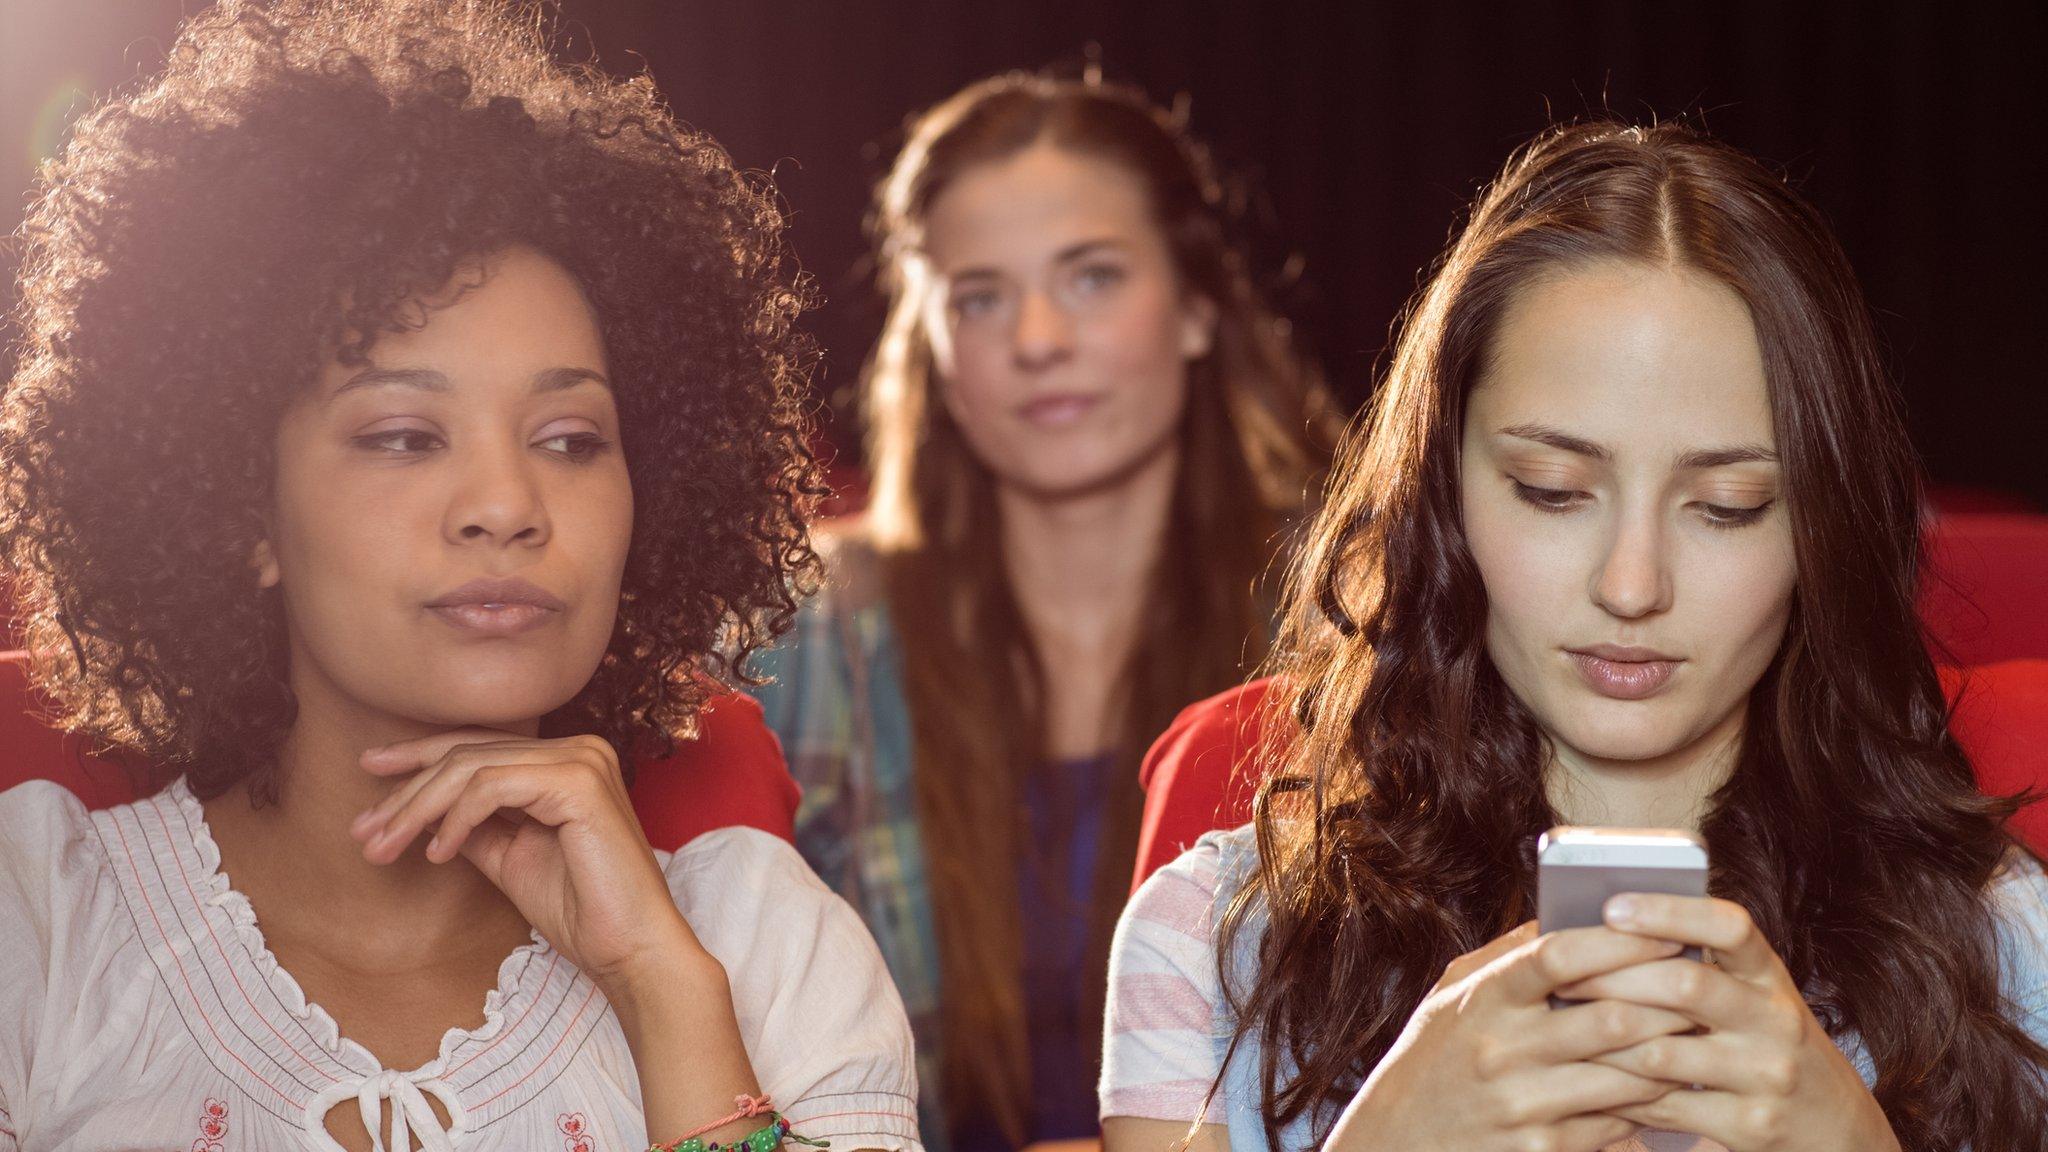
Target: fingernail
{"x": 1622, "y": 911}
{"x": 433, "y": 846}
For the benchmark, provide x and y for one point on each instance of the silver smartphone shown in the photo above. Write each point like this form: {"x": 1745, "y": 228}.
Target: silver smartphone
{"x": 1579, "y": 869}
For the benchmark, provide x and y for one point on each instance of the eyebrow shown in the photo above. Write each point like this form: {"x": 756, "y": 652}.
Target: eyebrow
{"x": 1696, "y": 459}
{"x": 428, "y": 380}
{"x": 1070, "y": 252}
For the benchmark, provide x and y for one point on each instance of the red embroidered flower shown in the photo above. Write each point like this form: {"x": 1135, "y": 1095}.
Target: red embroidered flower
{"x": 571, "y": 1123}
{"x": 213, "y": 1126}
{"x": 580, "y": 1144}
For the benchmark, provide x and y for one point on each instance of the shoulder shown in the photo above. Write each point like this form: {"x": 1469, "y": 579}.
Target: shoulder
{"x": 1173, "y": 917}
{"x": 55, "y": 906}
{"x": 38, "y": 806}
{"x": 2018, "y": 899}
{"x": 47, "y": 843}
{"x": 1166, "y": 1009}
{"x": 855, "y": 573}
{"x": 728, "y": 868}
{"x": 780, "y": 932}
{"x": 833, "y": 638}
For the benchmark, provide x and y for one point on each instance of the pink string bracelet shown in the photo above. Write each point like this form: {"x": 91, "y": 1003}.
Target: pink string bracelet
{"x": 768, "y": 1139}
{"x": 745, "y": 1107}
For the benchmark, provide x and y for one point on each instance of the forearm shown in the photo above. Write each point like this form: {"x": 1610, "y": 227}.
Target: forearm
{"x": 685, "y": 1038}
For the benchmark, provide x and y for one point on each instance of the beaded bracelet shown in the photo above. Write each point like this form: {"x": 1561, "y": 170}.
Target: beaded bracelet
{"x": 766, "y": 1139}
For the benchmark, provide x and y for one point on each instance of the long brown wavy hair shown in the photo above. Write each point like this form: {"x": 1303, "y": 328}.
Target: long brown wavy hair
{"x": 1257, "y": 433}
{"x": 1398, "y": 831}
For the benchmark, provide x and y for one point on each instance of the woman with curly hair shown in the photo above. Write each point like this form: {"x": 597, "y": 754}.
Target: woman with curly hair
{"x": 404, "y": 423}
{"x": 1631, "y": 538}
{"x": 1088, "y": 433}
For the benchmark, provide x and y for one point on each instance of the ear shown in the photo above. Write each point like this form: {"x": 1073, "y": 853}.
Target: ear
{"x": 264, "y": 561}
{"x": 1197, "y": 326}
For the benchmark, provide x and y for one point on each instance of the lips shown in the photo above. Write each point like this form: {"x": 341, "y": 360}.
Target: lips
{"x": 1057, "y": 410}
{"x": 497, "y": 607}
{"x": 1623, "y": 673}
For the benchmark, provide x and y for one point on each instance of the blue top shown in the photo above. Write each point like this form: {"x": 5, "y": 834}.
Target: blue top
{"x": 838, "y": 706}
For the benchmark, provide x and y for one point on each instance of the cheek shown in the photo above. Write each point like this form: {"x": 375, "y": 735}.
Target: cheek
{"x": 607, "y": 509}
{"x": 1531, "y": 574}
{"x": 329, "y": 531}
{"x": 1740, "y": 598}
{"x": 977, "y": 386}
{"x": 1136, "y": 346}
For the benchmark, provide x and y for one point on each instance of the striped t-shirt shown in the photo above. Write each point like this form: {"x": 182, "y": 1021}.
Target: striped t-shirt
{"x": 1169, "y": 1026}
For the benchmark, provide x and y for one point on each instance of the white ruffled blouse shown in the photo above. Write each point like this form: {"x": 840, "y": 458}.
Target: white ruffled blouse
{"x": 141, "y": 1009}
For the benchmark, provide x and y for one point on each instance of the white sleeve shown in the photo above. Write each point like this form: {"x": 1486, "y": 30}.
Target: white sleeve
{"x": 1160, "y": 1055}
{"x": 45, "y": 841}
{"x": 2019, "y": 906}
{"x": 823, "y": 1024}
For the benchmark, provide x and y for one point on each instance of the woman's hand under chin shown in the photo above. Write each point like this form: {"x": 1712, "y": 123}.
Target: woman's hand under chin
{"x": 550, "y": 823}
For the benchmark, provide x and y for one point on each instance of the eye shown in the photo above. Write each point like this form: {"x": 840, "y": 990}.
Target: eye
{"x": 398, "y": 441}
{"x": 577, "y": 446}
{"x": 974, "y": 302}
{"x": 1548, "y": 499}
{"x": 1096, "y": 277}
{"x": 1722, "y": 516}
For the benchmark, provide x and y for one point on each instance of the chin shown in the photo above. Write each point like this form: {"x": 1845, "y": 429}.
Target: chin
{"x": 498, "y": 701}
{"x": 1078, "y": 475}
{"x": 1614, "y": 730}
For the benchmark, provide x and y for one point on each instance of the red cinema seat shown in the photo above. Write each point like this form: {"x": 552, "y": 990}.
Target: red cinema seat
{"x": 1201, "y": 775}
{"x": 733, "y": 774}
{"x": 1985, "y": 596}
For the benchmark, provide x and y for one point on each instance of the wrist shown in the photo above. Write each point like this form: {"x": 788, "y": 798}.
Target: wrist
{"x": 671, "y": 968}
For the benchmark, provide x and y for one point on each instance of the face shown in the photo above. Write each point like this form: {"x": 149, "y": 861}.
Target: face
{"x": 452, "y": 518}
{"x": 1060, "y": 330}
{"x": 1623, "y": 500}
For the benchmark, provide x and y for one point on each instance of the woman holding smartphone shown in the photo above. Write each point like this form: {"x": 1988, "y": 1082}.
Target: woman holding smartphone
{"x": 404, "y": 425}
{"x": 1630, "y": 539}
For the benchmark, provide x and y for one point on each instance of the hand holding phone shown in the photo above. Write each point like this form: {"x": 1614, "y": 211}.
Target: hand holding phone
{"x": 1578, "y": 869}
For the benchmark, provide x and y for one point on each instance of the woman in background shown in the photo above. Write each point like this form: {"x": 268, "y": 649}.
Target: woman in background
{"x": 1630, "y": 539}
{"x": 1087, "y": 436}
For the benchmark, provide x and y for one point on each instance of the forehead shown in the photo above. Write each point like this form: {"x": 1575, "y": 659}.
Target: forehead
{"x": 500, "y": 319}
{"x": 1648, "y": 359}
{"x": 1027, "y": 207}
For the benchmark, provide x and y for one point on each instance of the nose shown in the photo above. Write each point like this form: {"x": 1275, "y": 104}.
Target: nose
{"x": 1634, "y": 577}
{"x": 497, "y": 499}
{"x": 1044, "y": 335}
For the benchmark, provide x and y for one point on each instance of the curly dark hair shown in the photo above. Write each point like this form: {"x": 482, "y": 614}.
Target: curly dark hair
{"x": 299, "y": 171}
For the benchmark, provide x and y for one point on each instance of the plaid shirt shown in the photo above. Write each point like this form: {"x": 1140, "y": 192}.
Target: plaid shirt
{"x": 837, "y": 704}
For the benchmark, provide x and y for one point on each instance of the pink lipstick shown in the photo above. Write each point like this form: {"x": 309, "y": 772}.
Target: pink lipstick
{"x": 1623, "y": 673}
{"x": 1057, "y": 410}
{"x": 497, "y": 607}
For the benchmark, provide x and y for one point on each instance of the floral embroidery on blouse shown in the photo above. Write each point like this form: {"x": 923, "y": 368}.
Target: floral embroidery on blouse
{"x": 213, "y": 1126}
{"x": 575, "y": 1132}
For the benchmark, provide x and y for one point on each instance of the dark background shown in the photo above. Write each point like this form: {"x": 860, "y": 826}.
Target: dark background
{"x": 1358, "y": 131}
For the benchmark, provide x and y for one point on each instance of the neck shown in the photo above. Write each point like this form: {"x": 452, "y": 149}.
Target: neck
{"x": 299, "y": 850}
{"x": 1669, "y": 791}
{"x": 1080, "y": 565}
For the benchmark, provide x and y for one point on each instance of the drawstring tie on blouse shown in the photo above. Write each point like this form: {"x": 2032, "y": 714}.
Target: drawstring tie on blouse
{"x": 410, "y": 1114}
